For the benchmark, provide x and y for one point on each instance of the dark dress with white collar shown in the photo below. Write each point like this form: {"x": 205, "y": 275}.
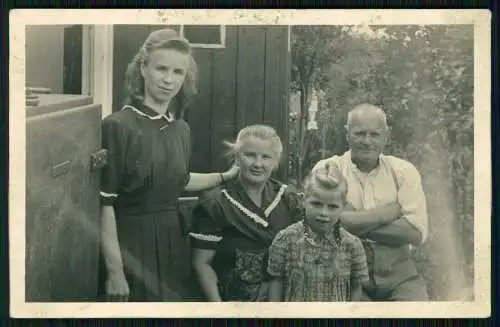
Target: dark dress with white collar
{"x": 228, "y": 221}
{"x": 148, "y": 167}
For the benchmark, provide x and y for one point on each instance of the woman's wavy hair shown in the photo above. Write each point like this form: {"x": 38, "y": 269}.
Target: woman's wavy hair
{"x": 166, "y": 38}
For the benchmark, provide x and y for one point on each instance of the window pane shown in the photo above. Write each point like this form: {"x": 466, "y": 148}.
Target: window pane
{"x": 54, "y": 58}
{"x": 203, "y": 34}
{"x": 44, "y": 57}
{"x": 72, "y": 72}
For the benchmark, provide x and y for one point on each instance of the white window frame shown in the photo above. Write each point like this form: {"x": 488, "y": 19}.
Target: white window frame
{"x": 87, "y": 48}
{"x": 222, "y": 45}
{"x": 289, "y": 40}
{"x": 97, "y": 65}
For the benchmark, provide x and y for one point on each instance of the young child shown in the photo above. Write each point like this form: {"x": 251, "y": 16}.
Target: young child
{"x": 316, "y": 259}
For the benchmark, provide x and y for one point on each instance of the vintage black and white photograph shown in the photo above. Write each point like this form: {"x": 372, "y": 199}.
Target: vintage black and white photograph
{"x": 172, "y": 159}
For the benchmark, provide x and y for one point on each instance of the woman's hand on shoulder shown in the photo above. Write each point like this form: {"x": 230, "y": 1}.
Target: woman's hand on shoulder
{"x": 231, "y": 173}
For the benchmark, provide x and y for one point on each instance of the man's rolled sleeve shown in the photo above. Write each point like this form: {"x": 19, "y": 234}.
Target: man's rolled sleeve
{"x": 277, "y": 255}
{"x": 412, "y": 200}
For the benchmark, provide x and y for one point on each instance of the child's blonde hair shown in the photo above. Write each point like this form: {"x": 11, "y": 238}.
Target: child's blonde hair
{"x": 329, "y": 178}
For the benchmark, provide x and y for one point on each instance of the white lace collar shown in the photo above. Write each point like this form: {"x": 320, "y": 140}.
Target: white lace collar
{"x": 252, "y": 215}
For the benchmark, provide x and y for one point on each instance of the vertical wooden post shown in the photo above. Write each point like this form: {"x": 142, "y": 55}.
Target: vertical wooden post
{"x": 87, "y": 58}
{"x": 102, "y": 62}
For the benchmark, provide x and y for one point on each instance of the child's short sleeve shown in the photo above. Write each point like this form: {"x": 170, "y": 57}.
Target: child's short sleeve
{"x": 359, "y": 266}
{"x": 277, "y": 255}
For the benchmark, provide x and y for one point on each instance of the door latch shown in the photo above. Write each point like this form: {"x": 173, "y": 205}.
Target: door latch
{"x": 60, "y": 169}
{"x": 98, "y": 160}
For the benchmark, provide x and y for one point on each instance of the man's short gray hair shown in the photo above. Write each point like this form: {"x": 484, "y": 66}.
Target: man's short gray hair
{"x": 360, "y": 109}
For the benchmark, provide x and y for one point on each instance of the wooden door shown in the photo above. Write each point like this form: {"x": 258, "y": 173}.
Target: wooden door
{"x": 62, "y": 199}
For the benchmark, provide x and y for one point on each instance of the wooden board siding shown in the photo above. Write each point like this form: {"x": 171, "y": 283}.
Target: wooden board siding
{"x": 244, "y": 83}
{"x": 200, "y": 112}
{"x": 277, "y": 82}
{"x": 224, "y": 97}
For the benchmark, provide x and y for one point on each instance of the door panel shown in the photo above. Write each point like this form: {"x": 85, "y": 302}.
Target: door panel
{"x": 62, "y": 204}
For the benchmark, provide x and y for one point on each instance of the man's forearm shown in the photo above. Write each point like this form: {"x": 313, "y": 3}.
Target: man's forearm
{"x": 360, "y": 223}
{"x": 397, "y": 233}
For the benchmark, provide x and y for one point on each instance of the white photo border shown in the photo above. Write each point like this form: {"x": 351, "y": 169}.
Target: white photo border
{"x": 480, "y": 307}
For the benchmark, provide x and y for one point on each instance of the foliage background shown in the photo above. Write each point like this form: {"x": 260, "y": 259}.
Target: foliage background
{"x": 423, "y": 77}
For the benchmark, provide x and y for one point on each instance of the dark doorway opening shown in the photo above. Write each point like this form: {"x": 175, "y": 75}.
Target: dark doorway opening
{"x": 72, "y": 72}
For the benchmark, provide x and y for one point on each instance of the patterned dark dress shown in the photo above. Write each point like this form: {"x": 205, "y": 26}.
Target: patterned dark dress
{"x": 227, "y": 221}
{"x": 148, "y": 168}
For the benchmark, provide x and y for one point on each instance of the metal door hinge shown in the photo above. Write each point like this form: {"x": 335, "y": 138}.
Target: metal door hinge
{"x": 98, "y": 160}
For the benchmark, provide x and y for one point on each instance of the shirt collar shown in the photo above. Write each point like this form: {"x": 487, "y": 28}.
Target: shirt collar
{"x": 148, "y": 112}
{"x": 355, "y": 168}
{"x": 315, "y": 239}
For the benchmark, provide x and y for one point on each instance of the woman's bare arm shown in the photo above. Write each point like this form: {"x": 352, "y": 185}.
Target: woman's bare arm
{"x": 109, "y": 245}
{"x": 202, "y": 264}
{"x": 117, "y": 288}
{"x": 202, "y": 181}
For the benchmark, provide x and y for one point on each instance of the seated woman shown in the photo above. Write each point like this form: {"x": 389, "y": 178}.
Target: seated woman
{"x": 234, "y": 224}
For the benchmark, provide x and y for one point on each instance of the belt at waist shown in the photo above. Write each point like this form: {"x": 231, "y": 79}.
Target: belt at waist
{"x": 145, "y": 208}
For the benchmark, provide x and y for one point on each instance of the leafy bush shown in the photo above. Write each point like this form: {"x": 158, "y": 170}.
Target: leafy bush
{"x": 423, "y": 77}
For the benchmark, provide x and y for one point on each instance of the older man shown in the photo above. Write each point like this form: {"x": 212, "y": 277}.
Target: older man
{"x": 387, "y": 207}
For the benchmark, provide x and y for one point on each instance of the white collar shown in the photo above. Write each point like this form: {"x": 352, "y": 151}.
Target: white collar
{"x": 168, "y": 116}
{"x": 255, "y": 217}
{"x": 356, "y": 169}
